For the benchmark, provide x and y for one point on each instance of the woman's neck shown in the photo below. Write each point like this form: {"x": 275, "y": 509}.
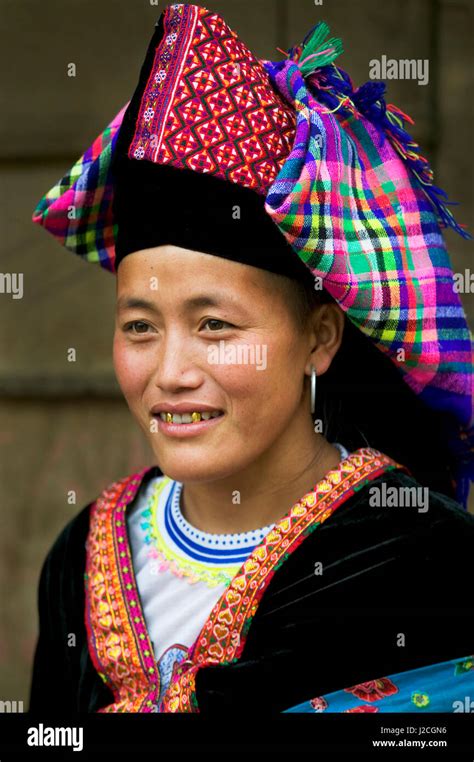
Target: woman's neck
{"x": 260, "y": 495}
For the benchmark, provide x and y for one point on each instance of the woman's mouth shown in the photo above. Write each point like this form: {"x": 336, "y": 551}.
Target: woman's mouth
{"x": 194, "y": 417}
{"x": 188, "y": 424}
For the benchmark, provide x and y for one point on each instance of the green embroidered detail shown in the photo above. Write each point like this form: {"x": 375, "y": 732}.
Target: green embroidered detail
{"x": 420, "y": 700}
{"x": 464, "y": 666}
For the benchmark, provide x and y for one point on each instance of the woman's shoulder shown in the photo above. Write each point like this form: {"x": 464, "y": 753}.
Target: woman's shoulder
{"x": 396, "y": 497}
{"x": 382, "y": 547}
{"x": 401, "y": 533}
{"x": 71, "y": 540}
{"x": 396, "y": 512}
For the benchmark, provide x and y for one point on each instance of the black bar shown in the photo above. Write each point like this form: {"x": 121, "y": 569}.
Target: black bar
{"x": 110, "y": 736}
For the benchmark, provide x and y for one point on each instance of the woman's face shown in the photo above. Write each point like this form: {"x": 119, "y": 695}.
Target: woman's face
{"x": 204, "y": 332}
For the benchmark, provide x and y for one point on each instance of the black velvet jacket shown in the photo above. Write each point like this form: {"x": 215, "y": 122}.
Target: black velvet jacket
{"x": 386, "y": 571}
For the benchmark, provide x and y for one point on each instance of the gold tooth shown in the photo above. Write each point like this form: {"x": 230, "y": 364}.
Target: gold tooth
{"x": 196, "y": 417}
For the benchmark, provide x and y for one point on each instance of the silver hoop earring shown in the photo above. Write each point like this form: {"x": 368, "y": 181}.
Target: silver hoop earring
{"x": 313, "y": 389}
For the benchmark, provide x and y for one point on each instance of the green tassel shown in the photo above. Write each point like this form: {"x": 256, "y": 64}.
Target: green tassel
{"x": 327, "y": 51}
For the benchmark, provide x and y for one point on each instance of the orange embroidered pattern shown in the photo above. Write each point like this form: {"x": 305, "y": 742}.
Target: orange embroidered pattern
{"x": 119, "y": 643}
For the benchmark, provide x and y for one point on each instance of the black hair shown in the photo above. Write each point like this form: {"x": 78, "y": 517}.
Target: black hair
{"x": 363, "y": 401}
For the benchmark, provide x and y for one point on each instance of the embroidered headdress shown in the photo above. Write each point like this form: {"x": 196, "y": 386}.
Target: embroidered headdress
{"x": 324, "y": 176}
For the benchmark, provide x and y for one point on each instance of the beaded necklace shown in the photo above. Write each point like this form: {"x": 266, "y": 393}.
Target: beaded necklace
{"x": 188, "y": 552}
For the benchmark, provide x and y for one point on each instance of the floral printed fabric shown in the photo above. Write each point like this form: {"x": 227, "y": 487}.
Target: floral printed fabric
{"x": 444, "y": 687}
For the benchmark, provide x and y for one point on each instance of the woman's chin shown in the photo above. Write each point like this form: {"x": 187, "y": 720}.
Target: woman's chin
{"x": 199, "y": 468}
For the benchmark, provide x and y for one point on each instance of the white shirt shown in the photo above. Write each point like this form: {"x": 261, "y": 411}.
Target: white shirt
{"x": 181, "y": 572}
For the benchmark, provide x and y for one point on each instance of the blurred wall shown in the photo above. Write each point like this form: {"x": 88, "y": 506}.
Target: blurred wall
{"x": 64, "y": 425}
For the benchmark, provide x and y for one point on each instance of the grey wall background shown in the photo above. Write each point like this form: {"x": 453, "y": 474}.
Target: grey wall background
{"x": 64, "y": 426}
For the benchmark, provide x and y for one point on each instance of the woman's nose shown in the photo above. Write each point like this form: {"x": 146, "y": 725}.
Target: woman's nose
{"x": 176, "y": 365}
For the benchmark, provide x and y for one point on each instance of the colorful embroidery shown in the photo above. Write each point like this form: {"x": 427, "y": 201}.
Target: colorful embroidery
{"x": 119, "y": 643}
{"x": 373, "y": 690}
{"x": 420, "y": 700}
{"x": 223, "y": 636}
{"x": 464, "y": 666}
{"x": 445, "y": 688}
{"x": 209, "y": 106}
{"x": 319, "y": 704}
{"x": 168, "y": 663}
{"x": 185, "y": 551}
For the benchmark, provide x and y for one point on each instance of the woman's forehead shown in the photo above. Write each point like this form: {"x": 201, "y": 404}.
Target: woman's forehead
{"x": 149, "y": 280}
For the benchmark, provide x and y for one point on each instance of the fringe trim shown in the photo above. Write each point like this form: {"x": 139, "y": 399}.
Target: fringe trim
{"x": 333, "y": 87}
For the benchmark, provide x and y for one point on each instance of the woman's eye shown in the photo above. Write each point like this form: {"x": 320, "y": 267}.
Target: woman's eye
{"x": 138, "y": 327}
{"x": 220, "y": 323}
{"x": 129, "y": 328}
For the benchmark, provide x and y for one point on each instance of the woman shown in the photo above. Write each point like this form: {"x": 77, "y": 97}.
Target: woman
{"x": 299, "y": 545}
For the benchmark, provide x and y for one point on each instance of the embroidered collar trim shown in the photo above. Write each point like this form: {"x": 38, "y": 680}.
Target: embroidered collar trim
{"x": 187, "y": 552}
{"x": 118, "y": 640}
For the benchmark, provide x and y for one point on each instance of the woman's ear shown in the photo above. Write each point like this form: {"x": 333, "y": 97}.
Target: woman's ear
{"x": 326, "y": 323}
